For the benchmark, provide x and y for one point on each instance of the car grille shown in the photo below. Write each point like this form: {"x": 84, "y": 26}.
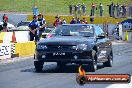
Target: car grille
{"x": 59, "y": 47}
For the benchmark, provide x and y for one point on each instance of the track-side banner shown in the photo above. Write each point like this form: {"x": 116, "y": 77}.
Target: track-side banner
{"x": 5, "y": 50}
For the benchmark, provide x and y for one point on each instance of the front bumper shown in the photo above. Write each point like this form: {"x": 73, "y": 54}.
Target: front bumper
{"x": 69, "y": 57}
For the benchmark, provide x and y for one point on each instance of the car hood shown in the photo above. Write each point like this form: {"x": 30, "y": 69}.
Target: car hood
{"x": 66, "y": 40}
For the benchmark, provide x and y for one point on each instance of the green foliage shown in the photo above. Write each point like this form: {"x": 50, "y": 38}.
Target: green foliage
{"x": 53, "y": 7}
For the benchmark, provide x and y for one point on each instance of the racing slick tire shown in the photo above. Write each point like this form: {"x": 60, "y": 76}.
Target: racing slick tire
{"x": 38, "y": 65}
{"x": 109, "y": 63}
{"x": 93, "y": 64}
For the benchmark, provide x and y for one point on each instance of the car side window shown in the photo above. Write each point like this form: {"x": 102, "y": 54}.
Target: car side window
{"x": 98, "y": 31}
{"x": 102, "y": 32}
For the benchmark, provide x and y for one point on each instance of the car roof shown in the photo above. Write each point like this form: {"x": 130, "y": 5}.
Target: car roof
{"x": 77, "y": 24}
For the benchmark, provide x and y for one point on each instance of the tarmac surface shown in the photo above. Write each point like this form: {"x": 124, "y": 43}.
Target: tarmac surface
{"x": 20, "y": 72}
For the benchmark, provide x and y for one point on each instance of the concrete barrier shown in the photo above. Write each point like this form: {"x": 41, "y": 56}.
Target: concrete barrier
{"x": 9, "y": 50}
{"x": 25, "y": 49}
{"x": 21, "y": 36}
{"x": 97, "y": 20}
{"x": 2, "y": 34}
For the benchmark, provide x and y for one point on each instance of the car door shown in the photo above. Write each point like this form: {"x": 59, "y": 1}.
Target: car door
{"x": 101, "y": 44}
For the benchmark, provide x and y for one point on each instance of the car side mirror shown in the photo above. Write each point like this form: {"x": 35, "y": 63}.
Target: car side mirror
{"x": 100, "y": 36}
{"x": 44, "y": 35}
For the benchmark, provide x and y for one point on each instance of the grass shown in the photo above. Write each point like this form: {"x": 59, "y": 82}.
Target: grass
{"x": 53, "y": 7}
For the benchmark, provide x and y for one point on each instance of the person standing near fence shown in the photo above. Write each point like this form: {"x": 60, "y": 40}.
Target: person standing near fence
{"x": 42, "y": 25}
{"x": 109, "y": 6}
{"x": 5, "y": 18}
{"x": 101, "y": 9}
{"x": 92, "y": 9}
{"x": 85, "y": 21}
{"x": 57, "y": 21}
{"x": 73, "y": 21}
{"x": 79, "y": 9}
{"x": 63, "y": 21}
{"x": 5, "y": 29}
{"x": 83, "y": 9}
{"x": 78, "y": 21}
{"x": 117, "y": 10}
{"x": 33, "y": 26}
{"x": 124, "y": 10}
{"x": 130, "y": 11}
{"x": 121, "y": 11}
{"x": 75, "y": 10}
{"x": 70, "y": 9}
{"x": 112, "y": 9}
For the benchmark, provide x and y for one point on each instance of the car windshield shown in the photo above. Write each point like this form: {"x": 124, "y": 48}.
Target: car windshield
{"x": 74, "y": 30}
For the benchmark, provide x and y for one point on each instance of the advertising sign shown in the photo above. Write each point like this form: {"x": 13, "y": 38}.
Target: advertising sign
{"x": 5, "y": 50}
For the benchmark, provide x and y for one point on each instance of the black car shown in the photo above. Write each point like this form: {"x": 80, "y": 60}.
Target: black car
{"x": 75, "y": 43}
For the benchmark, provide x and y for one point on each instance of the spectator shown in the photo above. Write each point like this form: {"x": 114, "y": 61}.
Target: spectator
{"x": 5, "y": 18}
{"x": 42, "y": 25}
{"x": 63, "y": 21}
{"x": 84, "y": 21}
{"x": 57, "y": 21}
{"x": 5, "y": 29}
{"x": 124, "y": 10}
{"x": 112, "y": 9}
{"x": 91, "y": 20}
{"x": 130, "y": 11}
{"x": 121, "y": 11}
{"x": 83, "y": 9}
{"x": 70, "y": 9}
{"x": 92, "y": 9}
{"x": 109, "y": 10}
{"x": 79, "y": 9}
{"x": 78, "y": 21}
{"x": 73, "y": 21}
{"x": 1, "y": 28}
{"x": 75, "y": 9}
{"x": 33, "y": 26}
{"x": 101, "y": 9}
{"x": 117, "y": 10}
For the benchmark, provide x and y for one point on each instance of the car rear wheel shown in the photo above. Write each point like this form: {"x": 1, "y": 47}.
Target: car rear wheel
{"x": 93, "y": 64}
{"x": 38, "y": 65}
{"x": 109, "y": 63}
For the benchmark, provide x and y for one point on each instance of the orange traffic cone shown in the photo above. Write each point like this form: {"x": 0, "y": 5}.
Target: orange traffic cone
{"x": 13, "y": 37}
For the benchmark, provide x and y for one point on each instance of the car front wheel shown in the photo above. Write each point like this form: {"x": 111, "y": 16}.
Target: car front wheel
{"x": 109, "y": 63}
{"x": 93, "y": 64}
{"x": 38, "y": 65}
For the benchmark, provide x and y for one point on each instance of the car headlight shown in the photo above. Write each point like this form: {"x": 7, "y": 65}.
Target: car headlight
{"x": 80, "y": 47}
{"x": 41, "y": 47}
